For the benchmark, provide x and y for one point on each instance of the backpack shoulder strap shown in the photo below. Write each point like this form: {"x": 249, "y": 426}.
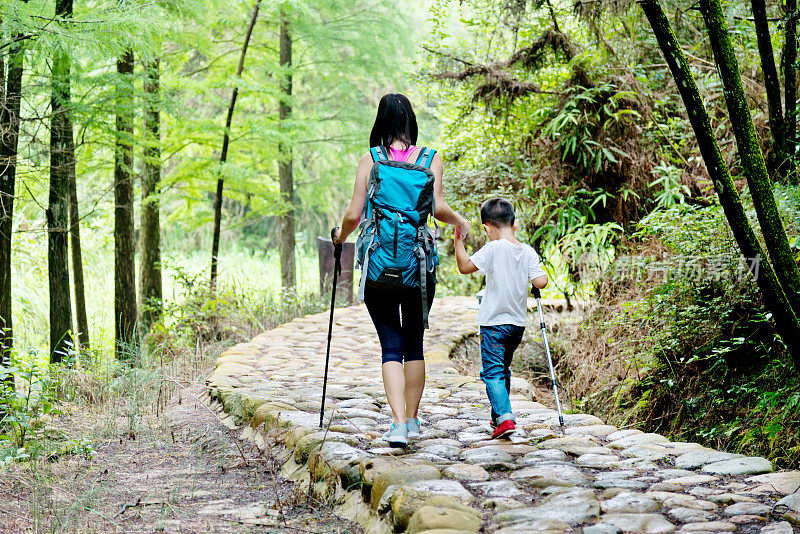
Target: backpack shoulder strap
{"x": 378, "y": 153}
{"x": 425, "y": 157}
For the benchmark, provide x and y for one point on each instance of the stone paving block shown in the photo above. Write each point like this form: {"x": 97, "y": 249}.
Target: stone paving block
{"x": 598, "y": 431}
{"x": 689, "y": 515}
{"x": 637, "y": 439}
{"x": 782, "y": 527}
{"x": 428, "y": 518}
{"x": 602, "y": 528}
{"x": 695, "y": 459}
{"x": 784, "y": 482}
{"x": 572, "y": 507}
{"x": 709, "y": 526}
{"x": 642, "y": 523}
{"x": 401, "y": 476}
{"x": 598, "y": 461}
{"x": 486, "y": 455}
{"x": 499, "y": 488}
{"x": 630, "y": 503}
{"x": 792, "y": 502}
{"x": 405, "y": 502}
{"x": 746, "y": 508}
{"x": 500, "y": 504}
{"x": 539, "y": 526}
{"x": 551, "y": 475}
{"x": 624, "y": 433}
{"x": 750, "y": 465}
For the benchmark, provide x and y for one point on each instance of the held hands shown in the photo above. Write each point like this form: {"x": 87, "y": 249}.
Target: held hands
{"x": 462, "y": 229}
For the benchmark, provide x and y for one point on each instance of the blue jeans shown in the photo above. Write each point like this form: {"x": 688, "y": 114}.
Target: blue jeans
{"x": 498, "y": 344}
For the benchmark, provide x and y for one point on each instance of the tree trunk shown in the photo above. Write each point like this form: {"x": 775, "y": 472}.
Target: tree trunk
{"x": 75, "y": 242}
{"x": 125, "y": 339}
{"x": 10, "y": 89}
{"x": 776, "y": 300}
{"x": 755, "y": 170}
{"x": 772, "y": 86}
{"x": 223, "y": 156}
{"x": 79, "y": 286}
{"x": 150, "y": 240}
{"x": 287, "y": 241}
{"x": 61, "y": 161}
{"x": 790, "y": 87}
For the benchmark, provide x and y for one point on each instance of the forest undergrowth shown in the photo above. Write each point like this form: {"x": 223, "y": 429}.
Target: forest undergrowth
{"x": 110, "y": 421}
{"x": 680, "y": 342}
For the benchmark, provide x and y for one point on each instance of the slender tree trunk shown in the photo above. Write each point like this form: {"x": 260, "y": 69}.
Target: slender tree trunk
{"x": 124, "y": 253}
{"x": 75, "y": 247}
{"x": 150, "y": 239}
{"x": 286, "y": 178}
{"x": 223, "y": 156}
{"x": 10, "y": 92}
{"x": 790, "y": 87}
{"x": 772, "y": 85}
{"x": 79, "y": 286}
{"x": 61, "y": 160}
{"x": 776, "y": 300}
{"x": 755, "y": 170}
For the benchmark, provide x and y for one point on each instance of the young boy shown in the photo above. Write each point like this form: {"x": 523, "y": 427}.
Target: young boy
{"x": 509, "y": 266}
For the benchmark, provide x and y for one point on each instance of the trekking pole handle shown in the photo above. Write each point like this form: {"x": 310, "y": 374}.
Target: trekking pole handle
{"x": 536, "y": 292}
{"x": 337, "y": 247}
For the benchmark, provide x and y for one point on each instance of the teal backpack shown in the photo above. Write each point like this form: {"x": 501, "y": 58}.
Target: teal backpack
{"x": 396, "y": 246}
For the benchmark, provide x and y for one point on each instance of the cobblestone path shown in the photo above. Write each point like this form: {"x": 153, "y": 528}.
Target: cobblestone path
{"x": 593, "y": 478}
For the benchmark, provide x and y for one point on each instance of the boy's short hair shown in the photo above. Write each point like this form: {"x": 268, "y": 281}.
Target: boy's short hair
{"x": 498, "y": 212}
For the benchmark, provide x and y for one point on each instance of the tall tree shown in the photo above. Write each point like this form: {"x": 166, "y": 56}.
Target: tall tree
{"x": 150, "y": 237}
{"x": 790, "y": 86}
{"x": 10, "y": 98}
{"x": 223, "y": 156}
{"x": 752, "y": 159}
{"x": 772, "y": 86}
{"x": 124, "y": 254}
{"x": 285, "y": 175}
{"x": 62, "y": 161}
{"x": 79, "y": 286}
{"x": 776, "y": 300}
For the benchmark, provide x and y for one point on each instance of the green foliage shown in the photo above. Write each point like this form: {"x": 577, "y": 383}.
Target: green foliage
{"x": 232, "y": 312}
{"x": 707, "y": 363}
{"x": 690, "y": 230}
{"x": 23, "y": 409}
{"x": 721, "y": 374}
{"x": 584, "y": 127}
{"x": 668, "y": 180}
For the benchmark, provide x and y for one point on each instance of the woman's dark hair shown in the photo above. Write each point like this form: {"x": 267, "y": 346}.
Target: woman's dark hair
{"x": 395, "y": 121}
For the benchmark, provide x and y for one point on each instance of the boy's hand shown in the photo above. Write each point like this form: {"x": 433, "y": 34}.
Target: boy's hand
{"x": 457, "y": 234}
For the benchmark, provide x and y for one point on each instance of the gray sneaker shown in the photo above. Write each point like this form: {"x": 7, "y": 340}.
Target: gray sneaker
{"x": 413, "y": 427}
{"x": 397, "y": 436}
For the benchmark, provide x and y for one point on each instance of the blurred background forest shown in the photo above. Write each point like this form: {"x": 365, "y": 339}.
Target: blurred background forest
{"x": 568, "y": 107}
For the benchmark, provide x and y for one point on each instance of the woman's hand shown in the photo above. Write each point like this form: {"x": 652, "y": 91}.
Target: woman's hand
{"x": 463, "y": 227}
{"x": 337, "y": 235}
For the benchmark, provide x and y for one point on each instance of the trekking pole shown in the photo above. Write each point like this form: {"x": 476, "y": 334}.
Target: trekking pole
{"x": 337, "y": 268}
{"x": 538, "y": 295}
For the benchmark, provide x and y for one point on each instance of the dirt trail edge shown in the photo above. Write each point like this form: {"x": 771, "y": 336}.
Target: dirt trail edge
{"x": 593, "y": 478}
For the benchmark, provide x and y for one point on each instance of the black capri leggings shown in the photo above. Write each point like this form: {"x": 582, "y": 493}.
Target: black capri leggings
{"x": 401, "y": 338}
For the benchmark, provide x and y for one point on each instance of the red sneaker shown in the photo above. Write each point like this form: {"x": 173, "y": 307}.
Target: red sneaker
{"x": 504, "y": 429}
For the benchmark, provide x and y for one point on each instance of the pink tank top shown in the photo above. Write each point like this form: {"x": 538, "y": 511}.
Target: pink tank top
{"x": 401, "y": 155}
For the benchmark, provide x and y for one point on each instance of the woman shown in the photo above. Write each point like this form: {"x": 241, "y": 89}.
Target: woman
{"x": 397, "y": 313}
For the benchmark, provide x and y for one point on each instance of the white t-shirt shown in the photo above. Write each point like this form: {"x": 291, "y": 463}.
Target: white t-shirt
{"x": 509, "y": 268}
